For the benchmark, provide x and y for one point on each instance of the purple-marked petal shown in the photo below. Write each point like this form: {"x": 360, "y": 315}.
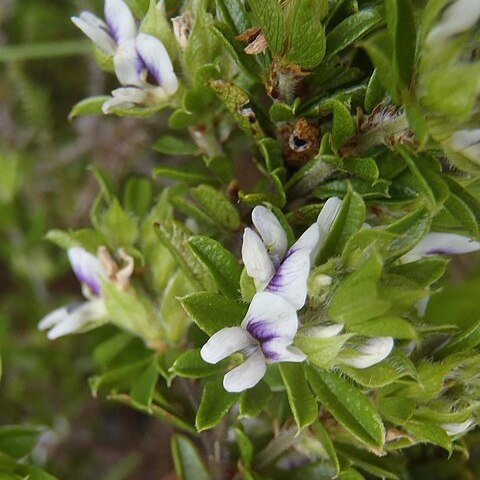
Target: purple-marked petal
{"x": 125, "y": 96}
{"x": 96, "y": 30}
{"x": 155, "y": 57}
{"x": 255, "y": 257}
{"x": 290, "y": 279}
{"x": 225, "y": 342}
{"x": 246, "y": 375}
{"x": 87, "y": 269}
{"x": 272, "y": 233}
{"x": 278, "y": 350}
{"x": 436, "y": 243}
{"x": 270, "y": 316}
{"x": 459, "y": 17}
{"x": 120, "y": 21}
{"x": 128, "y": 64}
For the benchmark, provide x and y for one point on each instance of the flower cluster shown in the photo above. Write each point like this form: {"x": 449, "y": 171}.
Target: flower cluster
{"x": 280, "y": 275}
{"x": 142, "y": 64}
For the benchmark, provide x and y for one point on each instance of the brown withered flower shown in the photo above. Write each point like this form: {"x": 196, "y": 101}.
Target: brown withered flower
{"x": 302, "y": 143}
{"x": 256, "y": 42}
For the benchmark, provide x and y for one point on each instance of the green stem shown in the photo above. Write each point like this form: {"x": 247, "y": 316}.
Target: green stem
{"x": 37, "y": 51}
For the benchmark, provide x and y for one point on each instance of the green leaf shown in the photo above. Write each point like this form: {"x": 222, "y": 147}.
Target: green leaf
{"x": 171, "y": 145}
{"x": 401, "y": 27}
{"x": 389, "y": 326}
{"x": 215, "y": 403}
{"x": 464, "y": 340}
{"x": 212, "y": 312}
{"x": 183, "y": 175}
{"x": 223, "y": 266}
{"x": 374, "y": 94}
{"x": 356, "y": 299}
{"x": 396, "y": 409}
{"x": 245, "y": 446}
{"x": 234, "y": 14}
{"x": 174, "y": 237}
{"x": 88, "y": 106}
{"x": 187, "y": 461}
{"x": 350, "y": 474}
{"x": 343, "y": 126}
{"x": 428, "y": 432}
{"x": 300, "y": 398}
{"x": 306, "y": 37}
{"x": 349, "y": 406}
{"x": 321, "y": 351}
{"x": 253, "y": 400}
{"x": 217, "y": 206}
{"x": 143, "y": 387}
{"x": 423, "y": 272}
{"x": 327, "y": 444}
{"x": 106, "y": 351}
{"x": 348, "y": 221}
{"x": 352, "y": 29}
{"x": 118, "y": 226}
{"x": 181, "y": 118}
{"x": 156, "y": 23}
{"x": 191, "y": 365}
{"x": 137, "y": 195}
{"x": 18, "y": 440}
{"x": 270, "y": 16}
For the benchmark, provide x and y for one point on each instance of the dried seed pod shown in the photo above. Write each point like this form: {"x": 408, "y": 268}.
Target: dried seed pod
{"x": 302, "y": 144}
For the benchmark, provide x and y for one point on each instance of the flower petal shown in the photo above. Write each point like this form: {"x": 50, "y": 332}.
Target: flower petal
{"x": 225, "y": 342}
{"x": 271, "y": 231}
{"x": 246, "y": 375}
{"x": 156, "y": 60}
{"x": 255, "y": 257}
{"x": 327, "y": 216}
{"x": 373, "y": 351}
{"x": 96, "y": 30}
{"x": 459, "y": 17}
{"x": 128, "y": 64}
{"x": 87, "y": 269}
{"x": 290, "y": 279}
{"x": 269, "y": 316}
{"x": 278, "y": 350}
{"x": 436, "y": 243}
{"x": 75, "y": 318}
{"x": 125, "y": 96}
{"x": 453, "y": 429}
{"x": 467, "y": 142}
{"x": 325, "y": 331}
{"x": 120, "y": 20}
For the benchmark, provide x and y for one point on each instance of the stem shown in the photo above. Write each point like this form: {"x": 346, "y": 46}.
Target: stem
{"x": 11, "y": 53}
{"x": 214, "y": 444}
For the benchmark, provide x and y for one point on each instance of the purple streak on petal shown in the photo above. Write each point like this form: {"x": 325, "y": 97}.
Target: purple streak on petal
{"x": 154, "y": 76}
{"x": 91, "y": 280}
{"x": 73, "y": 306}
{"x": 260, "y": 330}
{"x": 269, "y": 353}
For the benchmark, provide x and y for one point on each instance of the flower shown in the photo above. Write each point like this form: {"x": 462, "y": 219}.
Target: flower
{"x": 265, "y": 336}
{"x": 453, "y": 429}
{"x": 374, "y": 350}
{"x": 276, "y": 269}
{"x": 91, "y": 272}
{"x": 467, "y": 142}
{"x": 459, "y": 17}
{"x": 143, "y": 66}
{"x": 437, "y": 243}
{"x": 119, "y": 27}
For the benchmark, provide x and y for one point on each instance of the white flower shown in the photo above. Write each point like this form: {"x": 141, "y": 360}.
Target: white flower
{"x": 91, "y": 272}
{"x": 272, "y": 267}
{"x": 265, "y": 336}
{"x": 325, "y": 331}
{"x": 374, "y": 350}
{"x": 467, "y": 142}
{"x": 453, "y": 429}
{"x": 437, "y": 243}
{"x": 143, "y": 66}
{"x": 119, "y": 27}
{"x": 459, "y": 17}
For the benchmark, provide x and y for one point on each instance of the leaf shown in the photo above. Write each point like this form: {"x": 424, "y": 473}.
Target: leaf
{"x": 191, "y": 365}
{"x": 174, "y": 237}
{"x": 143, "y": 387}
{"x": 212, "y": 312}
{"x": 343, "y": 126}
{"x": 245, "y": 446}
{"x": 320, "y": 351}
{"x": 401, "y": 27}
{"x": 217, "y": 206}
{"x": 385, "y": 326}
{"x": 183, "y": 175}
{"x": 272, "y": 23}
{"x": 356, "y": 299}
{"x": 234, "y": 14}
{"x": 352, "y": 29}
{"x": 156, "y": 23}
{"x": 374, "y": 94}
{"x": 428, "y": 432}
{"x": 253, "y": 400}
{"x": 223, "y": 266}
{"x": 187, "y": 461}
{"x": 327, "y": 444}
{"x": 137, "y": 196}
{"x": 171, "y": 145}
{"x": 88, "y": 106}
{"x": 118, "y": 226}
{"x": 18, "y": 440}
{"x": 424, "y": 272}
{"x": 350, "y": 407}
{"x": 306, "y": 39}
{"x": 303, "y": 403}
{"x": 350, "y": 474}
{"x": 215, "y": 403}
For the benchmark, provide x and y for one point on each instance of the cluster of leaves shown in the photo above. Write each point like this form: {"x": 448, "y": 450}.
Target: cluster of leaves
{"x": 343, "y": 101}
